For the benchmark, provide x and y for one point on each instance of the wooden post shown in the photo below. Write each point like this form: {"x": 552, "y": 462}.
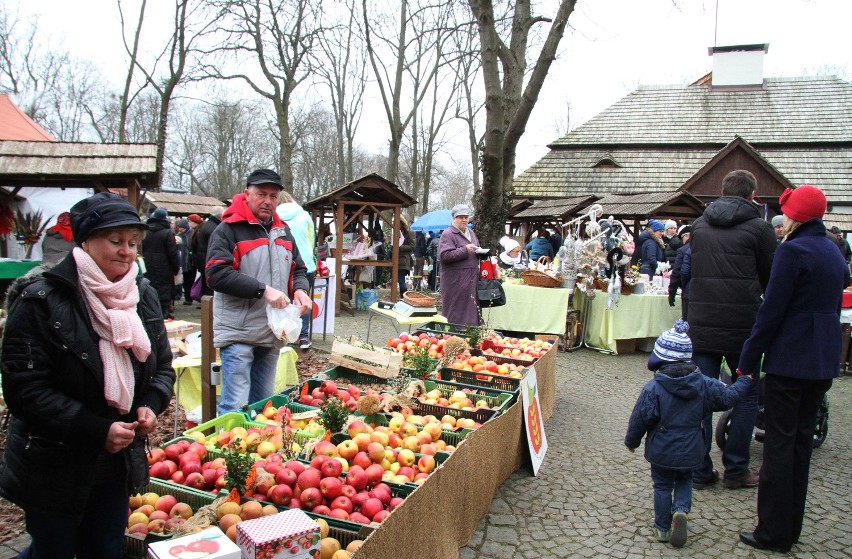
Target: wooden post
{"x": 338, "y": 262}
{"x": 395, "y": 256}
{"x": 208, "y": 357}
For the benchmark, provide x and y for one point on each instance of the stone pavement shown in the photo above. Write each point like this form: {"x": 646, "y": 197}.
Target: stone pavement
{"x": 593, "y": 499}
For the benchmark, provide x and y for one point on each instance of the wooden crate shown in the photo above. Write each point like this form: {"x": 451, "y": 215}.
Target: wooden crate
{"x": 375, "y": 362}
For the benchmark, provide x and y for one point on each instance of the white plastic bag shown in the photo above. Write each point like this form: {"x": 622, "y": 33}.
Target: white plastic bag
{"x": 285, "y": 323}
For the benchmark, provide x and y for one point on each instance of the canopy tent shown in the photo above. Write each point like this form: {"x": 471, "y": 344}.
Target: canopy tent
{"x": 433, "y": 221}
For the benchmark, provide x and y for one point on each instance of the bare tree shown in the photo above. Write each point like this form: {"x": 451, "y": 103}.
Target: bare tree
{"x": 174, "y": 65}
{"x": 344, "y": 71}
{"x": 468, "y": 105}
{"x": 413, "y": 41}
{"x": 508, "y": 101}
{"x": 279, "y": 36}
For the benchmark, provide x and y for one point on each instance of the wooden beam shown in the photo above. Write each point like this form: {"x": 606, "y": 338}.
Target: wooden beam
{"x": 208, "y": 357}
{"x": 338, "y": 262}
{"x": 395, "y": 295}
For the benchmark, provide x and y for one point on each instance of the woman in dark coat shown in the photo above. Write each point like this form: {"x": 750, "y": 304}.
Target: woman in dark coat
{"x": 797, "y": 333}
{"x": 459, "y": 269}
{"x": 651, "y": 249}
{"x": 86, "y": 370}
{"x": 161, "y": 258}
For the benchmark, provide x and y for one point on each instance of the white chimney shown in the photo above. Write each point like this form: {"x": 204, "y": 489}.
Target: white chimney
{"x": 738, "y": 65}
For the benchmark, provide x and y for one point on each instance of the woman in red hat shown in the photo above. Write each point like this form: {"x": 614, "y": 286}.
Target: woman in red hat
{"x": 797, "y": 333}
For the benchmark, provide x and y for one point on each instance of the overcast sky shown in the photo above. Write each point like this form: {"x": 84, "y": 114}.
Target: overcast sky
{"x": 610, "y": 48}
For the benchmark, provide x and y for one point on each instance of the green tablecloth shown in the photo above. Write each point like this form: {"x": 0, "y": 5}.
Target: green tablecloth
{"x": 538, "y": 310}
{"x": 11, "y": 269}
{"x": 636, "y": 316}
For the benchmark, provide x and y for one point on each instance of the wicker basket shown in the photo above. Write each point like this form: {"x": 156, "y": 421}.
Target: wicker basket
{"x": 627, "y": 288}
{"x": 418, "y": 299}
{"x": 601, "y": 284}
{"x": 540, "y": 279}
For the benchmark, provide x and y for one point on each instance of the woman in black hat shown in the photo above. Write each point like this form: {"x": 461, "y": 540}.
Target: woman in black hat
{"x": 86, "y": 370}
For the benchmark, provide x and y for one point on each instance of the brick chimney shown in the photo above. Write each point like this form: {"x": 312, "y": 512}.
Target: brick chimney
{"x": 738, "y": 65}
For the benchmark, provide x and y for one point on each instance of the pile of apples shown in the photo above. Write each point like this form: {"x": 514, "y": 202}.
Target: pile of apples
{"x": 155, "y": 514}
{"x": 230, "y": 513}
{"x": 523, "y": 348}
{"x": 182, "y": 462}
{"x": 349, "y": 395}
{"x": 408, "y": 343}
{"x": 457, "y": 399}
{"x": 259, "y": 441}
{"x": 322, "y": 488}
{"x": 477, "y": 363}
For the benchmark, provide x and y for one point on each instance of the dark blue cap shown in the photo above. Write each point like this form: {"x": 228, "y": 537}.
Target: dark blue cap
{"x": 104, "y": 210}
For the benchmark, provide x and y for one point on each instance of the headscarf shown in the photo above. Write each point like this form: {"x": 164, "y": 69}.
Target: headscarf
{"x": 63, "y": 226}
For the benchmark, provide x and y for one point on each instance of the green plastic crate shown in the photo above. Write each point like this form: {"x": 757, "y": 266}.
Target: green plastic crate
{"x": 224, "y": 422}
{"x": 136, "y": 547}
{"x": 498, "y": 401}
{"x": 439, "y": 328}
{"x": 480, "y": 378}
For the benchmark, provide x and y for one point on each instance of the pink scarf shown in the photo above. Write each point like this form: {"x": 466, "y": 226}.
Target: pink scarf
{"x": 112, "y": 308}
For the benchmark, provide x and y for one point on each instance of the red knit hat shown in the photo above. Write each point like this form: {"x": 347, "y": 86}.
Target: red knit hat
{"x": 804, "y": 203}
{"x": 195, "y": 218}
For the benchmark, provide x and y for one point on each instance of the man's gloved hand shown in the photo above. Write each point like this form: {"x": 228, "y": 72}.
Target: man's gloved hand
{"x": 672, "y": 299}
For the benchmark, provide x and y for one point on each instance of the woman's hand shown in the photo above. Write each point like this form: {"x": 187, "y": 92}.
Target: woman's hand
{"x": 147, "y": 420}
{"x": 471, "y": 248}
{"x": 120, "y": 435}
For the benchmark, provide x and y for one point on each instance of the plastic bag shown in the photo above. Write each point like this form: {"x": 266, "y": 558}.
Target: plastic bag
{"x": 285, "y": 323}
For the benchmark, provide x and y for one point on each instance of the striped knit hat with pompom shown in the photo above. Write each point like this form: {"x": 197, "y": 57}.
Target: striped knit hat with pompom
{"x": 672, "y": 345}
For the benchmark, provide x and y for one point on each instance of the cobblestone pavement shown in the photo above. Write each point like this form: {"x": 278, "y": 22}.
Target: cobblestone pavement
{"x": 593, "y": 499}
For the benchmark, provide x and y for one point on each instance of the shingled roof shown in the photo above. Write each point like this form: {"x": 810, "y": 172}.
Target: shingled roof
{"x": 656, "y": 138}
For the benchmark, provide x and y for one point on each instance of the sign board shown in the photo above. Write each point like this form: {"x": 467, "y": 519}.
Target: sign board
{"x": 533, "y": 422}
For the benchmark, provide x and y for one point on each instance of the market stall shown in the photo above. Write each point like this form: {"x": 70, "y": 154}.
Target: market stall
{"x": 530, "y": 309}
{"x": 635, "y": 317}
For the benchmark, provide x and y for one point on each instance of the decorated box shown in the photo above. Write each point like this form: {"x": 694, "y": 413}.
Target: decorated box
{"x": 291, "y": 533}
{"x": 211, "y": 543}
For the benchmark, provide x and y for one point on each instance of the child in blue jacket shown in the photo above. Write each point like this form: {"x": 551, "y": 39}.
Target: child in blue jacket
{"x": 670, "y": 410}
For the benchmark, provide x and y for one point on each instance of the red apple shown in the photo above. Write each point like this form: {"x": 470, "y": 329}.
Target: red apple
{"x": 331, "y": 468}
{"x": 374, "y": 474}
{"x": 310, "y": 478}
{"x": 191, "y": 467}
{"x": 160, "y": 470}
{"x": 342, "y": 502}
{"x": 327, "y": 448}
{"x": 354, "y": 391}
{"x": 318, "y": 460}
{"x": 198, "y": 449}
{"x": 173, "y": 452}
{"x": 295, "y": 503}
{"x": 329, "y": 387}
{"x": 295, "y": 465}
{"x": 286, "y": 476}
{"x": 156, "y": 455}
{"x": 181, "y": 510}
{"x": 371, "y": 507}
{"x": 195, "y": 480}
{"x": 380, "y": 516}
{"x": 311, "y": 498}
{"x": 357, "y": 477}
{"x": 331, "y": 487}
{"x": 361, "y": 459}
{"x": 395, "y": 502}
{"x": 347, "y": 449}
{"x": 359, "y": 499}
{"x": 348, "y": 491}
{"x": 321, "y": 509}
{"x": 359, "y": 518}
{"x": 165, "y": 503}
{"x": 178, "y": 477}
{"x": 280, "y": 494}
{"x": 383, "y": 497}
{"x": 339, "y": 513}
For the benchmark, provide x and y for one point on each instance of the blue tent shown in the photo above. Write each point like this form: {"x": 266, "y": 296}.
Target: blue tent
{"x": 433, "y": 221}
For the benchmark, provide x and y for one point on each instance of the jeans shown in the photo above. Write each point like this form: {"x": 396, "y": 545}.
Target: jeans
{"x": 248, "y": 375}
{"x": 735, "y": 458}
{"x": 308, "y": 316}
{"x": 402, "y": 285}
{"x": 672, "y": 493}
{"x": 99, "y": 533}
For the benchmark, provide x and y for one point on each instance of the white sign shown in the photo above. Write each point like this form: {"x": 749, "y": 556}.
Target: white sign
{"x": 536, "y": 438}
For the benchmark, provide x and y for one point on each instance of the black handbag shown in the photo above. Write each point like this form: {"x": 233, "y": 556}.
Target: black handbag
{"x": 489, "y": 293}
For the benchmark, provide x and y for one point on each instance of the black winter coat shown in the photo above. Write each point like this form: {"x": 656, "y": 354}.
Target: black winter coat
{"x": 201, "y": 241}
{"x": 672, "y": 245}
{"x": 161, "y": 258}
{"x": 53, "y": 385}
{"x": 732, "y": 250}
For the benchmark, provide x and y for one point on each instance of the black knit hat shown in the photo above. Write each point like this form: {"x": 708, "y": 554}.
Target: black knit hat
{"x": 264, "y": 176}
{"x": 104, "y": 210}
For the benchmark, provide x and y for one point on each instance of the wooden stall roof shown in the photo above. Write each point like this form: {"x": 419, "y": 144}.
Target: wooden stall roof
{"x": 369, "y": 188}
{"x": 555, "y": 208}
{"x": 844, "y": 221}
{"x": 674, "y": 205}
{"x": 77, "y": 165}
{"x": 180, "y": 204}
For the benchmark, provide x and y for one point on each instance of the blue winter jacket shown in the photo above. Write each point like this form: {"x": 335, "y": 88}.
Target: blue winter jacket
{"x": 651, "y": 253}
{"x": 671, "y": 410}
{"x": 539, "y": 247}
{"x": 798, "y": 323}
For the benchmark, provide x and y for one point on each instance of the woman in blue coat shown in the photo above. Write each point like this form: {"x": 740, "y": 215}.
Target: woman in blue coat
{"x": 651, "y": 248}
{"x": 540, "y": 246}
{"x": 797, "y": 332}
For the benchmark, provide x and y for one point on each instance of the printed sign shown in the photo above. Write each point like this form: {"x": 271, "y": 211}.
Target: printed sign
{"x": 536, "y": 438}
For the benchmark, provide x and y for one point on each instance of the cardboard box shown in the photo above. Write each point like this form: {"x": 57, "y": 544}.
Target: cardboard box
{"x": 291, "y": 533}
{"x": 211, "y": 543}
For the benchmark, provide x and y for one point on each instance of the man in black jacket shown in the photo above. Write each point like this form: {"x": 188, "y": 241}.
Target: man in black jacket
{"x": 201, "y": 240}
{"x": 732, "y": 250}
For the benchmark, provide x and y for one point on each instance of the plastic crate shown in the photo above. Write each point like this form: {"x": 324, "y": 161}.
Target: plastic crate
{"x": 439, "y": 328}
{"x": 136, "y": 547}
{"x": 498, "y": 401}
{"x": 480, "y": 378}
{"x": 224, "y": 422}
{"x": 252, "y": 410}
{"x": 450, "y": 437}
